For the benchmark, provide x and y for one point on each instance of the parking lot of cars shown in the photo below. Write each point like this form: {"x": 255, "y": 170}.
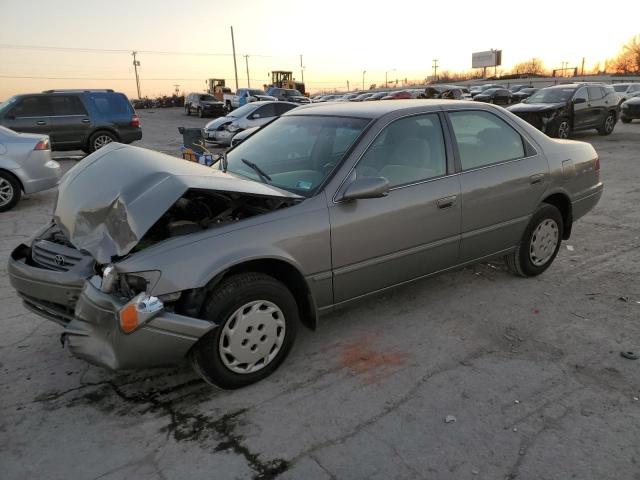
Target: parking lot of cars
{"x": 470, "y": 374}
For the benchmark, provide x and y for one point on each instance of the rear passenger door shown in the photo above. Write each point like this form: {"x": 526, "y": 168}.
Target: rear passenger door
{"x": 502, "y": 179}
{"x": 30, "y": 115}
{"x": 414, "y": 230}
{"x": 70, "y": 123}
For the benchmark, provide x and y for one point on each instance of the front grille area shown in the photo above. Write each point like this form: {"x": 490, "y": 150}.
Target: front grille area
{"x": 53, "y": 311}
{"x": 532, "y": 118}
{"x": 54, "y": 256}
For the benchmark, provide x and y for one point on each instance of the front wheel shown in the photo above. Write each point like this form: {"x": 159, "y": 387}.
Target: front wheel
{"x": 257, "y": 319}
{"x": 563, "y": 129}
{"x": 200, "y": 114}
{"x": 540, "y": 243}
{"x": 608, "y": 124}
{"x": 187, "y": 110}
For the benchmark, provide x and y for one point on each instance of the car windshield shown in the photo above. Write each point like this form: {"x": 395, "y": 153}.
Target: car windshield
{"x": 620, "y": 88}
{"x": 296, "y": 153}
{"x": 292, "y": 93}
{"x": 8, "y": 103}
{"x": 490, "y": 91}
{"x": 244, "y": 110}
{"x": 208, "y": 98}
{"x": 256, "y": 92}
{"x": 551, "y": 95}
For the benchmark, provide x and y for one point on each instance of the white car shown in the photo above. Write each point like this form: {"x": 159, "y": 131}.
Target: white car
{"x": 254, "y": 114}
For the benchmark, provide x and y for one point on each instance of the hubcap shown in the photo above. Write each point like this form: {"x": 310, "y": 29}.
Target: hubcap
{"x": 608, "y": 124}
{"x": 563, "y": 130}
{"x": 252, "y": 337}
{"x": 6, "y": 192}
{"x": 101, "y": 141}
{"x": 543, "y": 242}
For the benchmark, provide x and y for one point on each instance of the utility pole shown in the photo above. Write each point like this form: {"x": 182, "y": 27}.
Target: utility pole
{"x": 235, "y": 66}
{"x": 386, "y": 82}
{"x": 435, "y": 70}
{"x": 301, "y": 69}
{"x": 136, "y": 64}
{"x": 363, "y": 72}
{"x": 582, "y": 70}
{"x": 347, "y": 85}
{"x": 246, "y": 61}
{"x": 176, "y": 88}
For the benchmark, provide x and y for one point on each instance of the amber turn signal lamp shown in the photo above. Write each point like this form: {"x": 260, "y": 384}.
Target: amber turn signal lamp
{"x": 129, "y": 318}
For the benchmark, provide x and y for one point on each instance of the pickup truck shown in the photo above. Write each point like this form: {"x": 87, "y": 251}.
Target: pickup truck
{"x": 244, "y": 96}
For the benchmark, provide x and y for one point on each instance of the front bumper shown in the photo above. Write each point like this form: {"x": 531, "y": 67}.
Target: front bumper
{"x": 630, "y": 113}
{"x": 219, "y": 136}
{"x": 90, "y": 317}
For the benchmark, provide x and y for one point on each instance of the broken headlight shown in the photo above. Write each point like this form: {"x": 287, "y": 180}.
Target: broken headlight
{"x": 129, "y": 284}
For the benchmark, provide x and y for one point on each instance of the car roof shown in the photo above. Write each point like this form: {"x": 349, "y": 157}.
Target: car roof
{"x": 377, "y": 109}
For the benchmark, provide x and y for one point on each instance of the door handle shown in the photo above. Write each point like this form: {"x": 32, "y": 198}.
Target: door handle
{"x": 86, "y": 120}
{"x": 537, "y": 178}
{"x": 446, "y": 202}
{"x": 41, "y": 122}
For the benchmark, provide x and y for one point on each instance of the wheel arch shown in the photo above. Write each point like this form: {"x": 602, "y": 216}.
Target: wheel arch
{"x": 562, "y": 202}
{"x": 10, "y": 173}
{"x": 102, "y": 128}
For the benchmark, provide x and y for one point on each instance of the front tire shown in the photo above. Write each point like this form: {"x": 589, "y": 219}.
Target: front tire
{"x": 563, "y": 129}
{"x": 200, "y": 114}
{"x": 10, "y": 191}
{"x": 257, "y": 319}
{"x": 540, "y": 243}
{"x": 187, "y": 110}
{"x": 608, "y": 125}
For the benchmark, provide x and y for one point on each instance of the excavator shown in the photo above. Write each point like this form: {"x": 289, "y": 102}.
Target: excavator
{"x": 284, "y": 79}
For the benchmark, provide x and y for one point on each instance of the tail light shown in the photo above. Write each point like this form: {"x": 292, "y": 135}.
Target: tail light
{"x": 597, "y": 164}
{"x": 43, "y": 145}
{"x": 135, "y": 121}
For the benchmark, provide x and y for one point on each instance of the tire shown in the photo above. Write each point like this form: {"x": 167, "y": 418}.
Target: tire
{"x": 10, "y": 191}
{"x": 563, "y": 129}
{"x": 528, "y": 261}
{"x": 187, "y": 110}
{"x": 200, "y": 114}
{"x": 625, "y": 120}
{"x": 608, "y": 124}
{"x": 99, "y": 139}
{"x": 226, "y": 305}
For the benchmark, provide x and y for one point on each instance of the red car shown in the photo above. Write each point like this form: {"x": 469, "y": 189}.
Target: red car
{"x": 401, "y": 95}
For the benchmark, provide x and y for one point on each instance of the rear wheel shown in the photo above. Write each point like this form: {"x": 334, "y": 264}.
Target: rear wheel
{"x": 100, "y": 139}
{"x": 540, "y": 243}
{"x": 200, "y": 114}
{"x": 187, "y": 110}
{"x": 608, "y": 124}
{"x": 257, "y": 317}
{"x": 10, "y": 191}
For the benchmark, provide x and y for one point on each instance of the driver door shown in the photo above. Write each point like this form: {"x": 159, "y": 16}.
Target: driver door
{"x": 414, "y": 230}
{"x": 581, "y": 110}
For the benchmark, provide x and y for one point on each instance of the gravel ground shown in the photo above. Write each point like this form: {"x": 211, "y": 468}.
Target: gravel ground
{"x": 529, "y": 369}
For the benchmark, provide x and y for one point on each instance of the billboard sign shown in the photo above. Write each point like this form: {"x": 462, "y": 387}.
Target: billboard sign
{"x": 490, "y": 58}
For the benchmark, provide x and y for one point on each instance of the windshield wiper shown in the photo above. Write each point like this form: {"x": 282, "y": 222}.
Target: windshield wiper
{"x": 257, "y": 169}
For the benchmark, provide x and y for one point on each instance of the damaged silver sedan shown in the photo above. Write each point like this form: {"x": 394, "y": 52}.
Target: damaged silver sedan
{"x": 149, "y": 259}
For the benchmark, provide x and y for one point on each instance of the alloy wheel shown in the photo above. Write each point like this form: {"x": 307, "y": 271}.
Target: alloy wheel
{"x": 6, "y": 192}
{"x": 563, "y": 129}
{"x": 543, "y": 242}
{"x": 609, "y": 124}
{"x": 101, "y": 141}
{"x": 252, "y": 337}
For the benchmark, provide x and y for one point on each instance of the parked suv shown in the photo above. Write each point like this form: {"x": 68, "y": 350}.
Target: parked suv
{"x": 74, "y": 119}
{"x": 562, "y": 109}
{"x": 203, "y": 105}
{"x": 287, "y": 95}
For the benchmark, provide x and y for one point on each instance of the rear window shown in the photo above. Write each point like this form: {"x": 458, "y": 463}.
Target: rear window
{"x": 110, "y": 103}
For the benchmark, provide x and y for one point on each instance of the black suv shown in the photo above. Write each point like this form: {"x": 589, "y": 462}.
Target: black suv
{"x": 203, "y": 105}
{"x": 562, "y": 109}
{"x": 74, "y": 119}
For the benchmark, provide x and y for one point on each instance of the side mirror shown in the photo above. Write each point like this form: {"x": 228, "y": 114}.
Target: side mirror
{"x": 366, "y": 187}
{"x": 579, "y": 100}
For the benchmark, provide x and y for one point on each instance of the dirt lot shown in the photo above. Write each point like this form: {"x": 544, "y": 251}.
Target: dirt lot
{"x": 529, "y": 368}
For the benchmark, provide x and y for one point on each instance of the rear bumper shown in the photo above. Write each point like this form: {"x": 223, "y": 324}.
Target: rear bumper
{"x": 581, "y": 207}
{"x": 128, "y": 136}
{"x": 90, "y": 318}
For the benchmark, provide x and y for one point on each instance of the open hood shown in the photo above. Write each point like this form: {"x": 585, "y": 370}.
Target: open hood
{"x": 108, "y": 201}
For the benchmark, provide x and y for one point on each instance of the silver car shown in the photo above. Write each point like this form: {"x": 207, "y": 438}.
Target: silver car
{"x": 254, "y": 114}
{"x": 25, "y": 166}
{"x": 324, "y": 206}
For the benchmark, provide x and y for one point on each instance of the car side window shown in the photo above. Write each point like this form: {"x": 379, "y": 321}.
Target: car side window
{"x": 283, "y": 108}
{"x": 265, "y": 111}
{"x": 581, "y": 93}
{"x": 62, "y": 105}
{"x": 408, "y": 150}
{"x": 484, "y": 139}
{"x": 31, "y": 107}
{"x": 595, "y": 93}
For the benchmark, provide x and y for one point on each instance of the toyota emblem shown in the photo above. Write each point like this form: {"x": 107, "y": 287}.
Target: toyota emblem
{"x": 59, "y": 259}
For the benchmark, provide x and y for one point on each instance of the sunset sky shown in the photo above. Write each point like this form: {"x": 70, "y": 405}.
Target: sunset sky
{"x": 338, "y": 40}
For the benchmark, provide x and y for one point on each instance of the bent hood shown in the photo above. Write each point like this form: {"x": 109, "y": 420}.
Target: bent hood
{"x": 108, "y": 201}
{"x": 534, "y": 107}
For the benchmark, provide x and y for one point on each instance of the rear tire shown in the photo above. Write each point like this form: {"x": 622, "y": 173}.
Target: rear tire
{"x": 200, "y": 114}
{"x": 608, "y": 125}
{"x": 540, "y": 243}
{"x": 99, "y": 139}
{"x": 257, "y": 320}
{"x": 187, "y": 110}
{"x": 10, "y": 191}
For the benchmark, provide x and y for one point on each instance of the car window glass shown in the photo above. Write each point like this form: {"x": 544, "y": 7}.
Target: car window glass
{"x": 484, "y": 139}
{"x": 595, "y": 93}
{"x": 109, "y": 103}
{"x": 66, "y": 105}
{"x": 31, "y": 107}
{"x": 581, "y": 93}
{"x": 409, "y": 150}
{"x": 266, "y": 111}
{"x": 283, "y": 108}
